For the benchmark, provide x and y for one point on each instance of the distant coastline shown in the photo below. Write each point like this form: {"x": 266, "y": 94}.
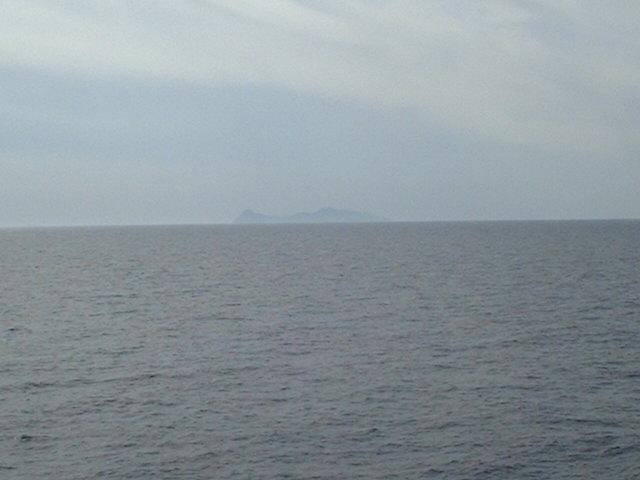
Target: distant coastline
{"x": 324, "y": 215}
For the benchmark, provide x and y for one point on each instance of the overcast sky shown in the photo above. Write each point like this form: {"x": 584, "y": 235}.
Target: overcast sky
{"x": 135, "y": 112}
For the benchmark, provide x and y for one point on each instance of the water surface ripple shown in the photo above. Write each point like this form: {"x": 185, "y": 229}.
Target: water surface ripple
{"x": 445, "y": 351}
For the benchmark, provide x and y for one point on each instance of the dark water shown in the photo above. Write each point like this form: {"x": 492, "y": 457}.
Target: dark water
{"x": 453, "y": 351}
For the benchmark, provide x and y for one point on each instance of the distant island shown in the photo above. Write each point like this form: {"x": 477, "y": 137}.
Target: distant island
{"x": 324, "y": 215}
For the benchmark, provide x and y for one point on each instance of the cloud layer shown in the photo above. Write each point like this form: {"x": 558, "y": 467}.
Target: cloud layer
{"x": 143, "y": 111}
{"x": 522, "y": 71}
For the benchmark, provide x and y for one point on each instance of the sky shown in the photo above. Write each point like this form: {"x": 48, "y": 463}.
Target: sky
{"x": 190, "y": 111}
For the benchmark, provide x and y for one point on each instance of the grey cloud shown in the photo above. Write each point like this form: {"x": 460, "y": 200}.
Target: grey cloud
{"x": 138, "y": 112}
{"x": 502, "y": 69}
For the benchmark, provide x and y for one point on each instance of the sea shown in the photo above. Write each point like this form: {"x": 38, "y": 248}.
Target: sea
{"x": 489, "y": 350}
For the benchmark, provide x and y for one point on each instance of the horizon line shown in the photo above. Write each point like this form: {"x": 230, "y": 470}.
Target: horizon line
{"x": 231, "y": 223}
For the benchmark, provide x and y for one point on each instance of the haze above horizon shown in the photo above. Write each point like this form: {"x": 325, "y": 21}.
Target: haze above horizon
{"x": 119, "y": 113}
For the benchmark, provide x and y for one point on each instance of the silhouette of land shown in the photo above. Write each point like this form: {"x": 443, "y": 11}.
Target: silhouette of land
{"x": 324, "y": 215}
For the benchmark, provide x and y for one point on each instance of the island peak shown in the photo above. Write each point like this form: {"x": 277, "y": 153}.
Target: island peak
{"x": 323, "y": 215}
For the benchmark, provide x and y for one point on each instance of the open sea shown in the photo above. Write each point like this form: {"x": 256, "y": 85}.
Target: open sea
{"x": 507, "y": 350}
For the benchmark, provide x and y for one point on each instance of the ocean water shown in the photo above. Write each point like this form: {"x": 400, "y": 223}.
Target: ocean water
{"x": 436, "y": 350}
